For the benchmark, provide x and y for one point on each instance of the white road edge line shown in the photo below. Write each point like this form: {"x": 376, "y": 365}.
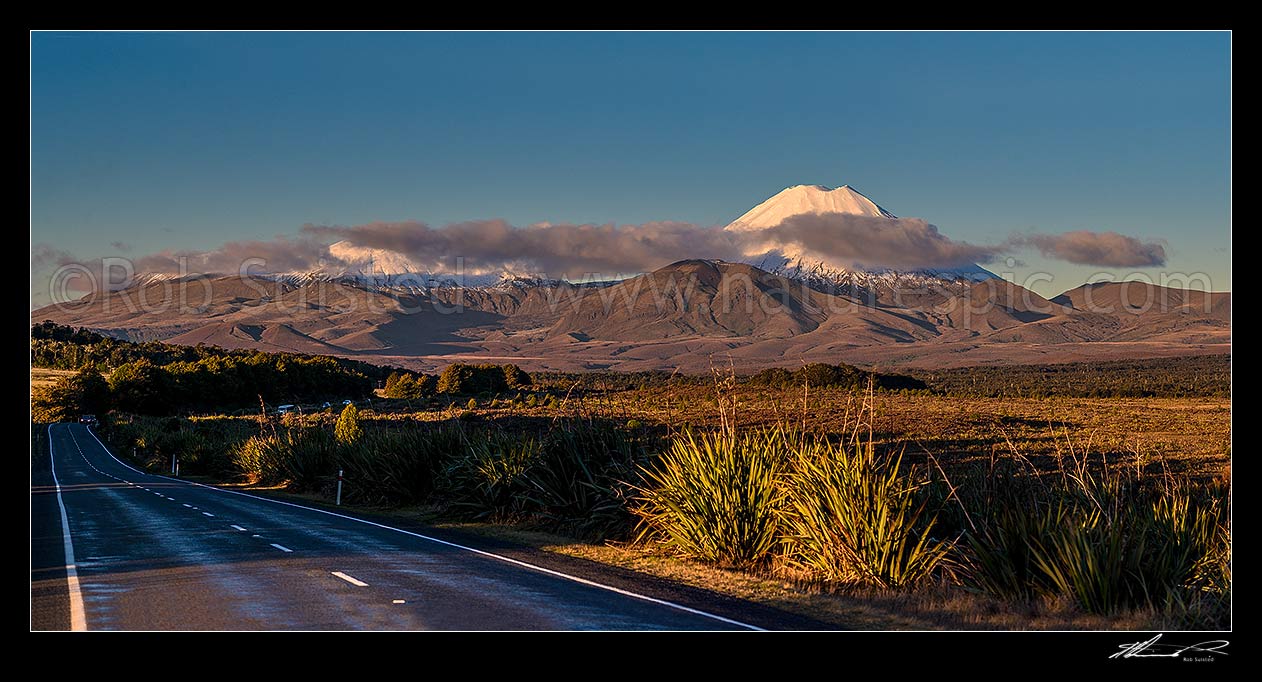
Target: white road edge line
{"x": 350, "y": 579}
{"x": 78, "y": 621}
{"x": 454, "y": 545}
{"x": 282, "y": 547}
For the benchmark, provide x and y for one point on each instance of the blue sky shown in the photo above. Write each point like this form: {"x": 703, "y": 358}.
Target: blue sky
{"x": 187, "y": 140}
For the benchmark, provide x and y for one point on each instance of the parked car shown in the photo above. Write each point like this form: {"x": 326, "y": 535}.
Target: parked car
{"x": 88, "y": 420}
{"x": 346, "y": 402}
{"x": 326, "y": 406}
{"x": 286, "y": 409}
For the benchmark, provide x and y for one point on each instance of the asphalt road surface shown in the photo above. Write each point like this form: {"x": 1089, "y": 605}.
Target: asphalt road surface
{"x": 116, "y": 549}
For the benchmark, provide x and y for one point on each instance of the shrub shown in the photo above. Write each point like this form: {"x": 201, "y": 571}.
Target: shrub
{"x": 347, "y": 430}
{"x": 821, "y": 375}
{"x": 832, "y": 376}
{"x": 203, "y": 446}
{"x": 775, "y": 377}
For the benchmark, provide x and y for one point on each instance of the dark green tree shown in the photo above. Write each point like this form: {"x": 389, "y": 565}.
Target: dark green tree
{"x": 143, "y": 387}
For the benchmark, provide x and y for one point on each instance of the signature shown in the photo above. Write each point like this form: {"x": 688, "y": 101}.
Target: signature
{"x": 1154, "y": 649}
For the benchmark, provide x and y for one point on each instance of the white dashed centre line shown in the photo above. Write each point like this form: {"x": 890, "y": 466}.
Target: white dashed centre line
{"x": 189, "y": 506}
{"x": 207, "y": 514}
{"x": 238, "y": 528}
{"x": 282, "y": 547}
{"x": 350, "y": 579}
{"x": 398, "y": 601}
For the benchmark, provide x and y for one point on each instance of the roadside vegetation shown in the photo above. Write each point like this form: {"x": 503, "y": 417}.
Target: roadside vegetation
{"x": 1115, "y": 539}
{"x": 1109, "y": 512}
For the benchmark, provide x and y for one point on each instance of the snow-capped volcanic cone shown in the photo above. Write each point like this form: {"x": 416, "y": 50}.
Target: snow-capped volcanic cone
{"x": 818, "y": 200}
{"x": 800, "y": 199}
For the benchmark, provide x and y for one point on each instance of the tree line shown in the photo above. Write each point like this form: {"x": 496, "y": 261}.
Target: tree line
{"x": 165, "y": 379}
{"x": 823, "y": 375}
{"x": 160, "y": 379}
{"x": 457, "y": 378}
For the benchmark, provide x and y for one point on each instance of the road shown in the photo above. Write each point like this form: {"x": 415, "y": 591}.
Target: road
{"x": 117, "y": 549}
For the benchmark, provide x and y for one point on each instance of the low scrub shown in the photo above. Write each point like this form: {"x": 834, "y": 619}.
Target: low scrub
{"x": 202, "y": 447}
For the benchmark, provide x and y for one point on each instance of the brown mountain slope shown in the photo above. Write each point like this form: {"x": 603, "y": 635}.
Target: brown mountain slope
{"x": 695, "y": 298}
{"x": 687, "y": 315}
{"x": 998, "y": 304}
{"x": 1139, "y": 298}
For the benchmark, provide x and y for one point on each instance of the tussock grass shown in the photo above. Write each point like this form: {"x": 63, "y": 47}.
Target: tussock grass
{"x": 391, "y": 467}
{"x": 836, "y": 513}
{"x": 856, "y": 516}
{"x": 1106, "y": 538}
{"x": 717, "y": 496}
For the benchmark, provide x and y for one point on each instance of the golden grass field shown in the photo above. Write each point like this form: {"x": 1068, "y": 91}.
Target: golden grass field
{"x": 45, "y": 378}
{"x": 1189, "y": 436}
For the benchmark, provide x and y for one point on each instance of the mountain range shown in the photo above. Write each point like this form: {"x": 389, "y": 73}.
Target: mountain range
{"x": 782, "y": 310}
